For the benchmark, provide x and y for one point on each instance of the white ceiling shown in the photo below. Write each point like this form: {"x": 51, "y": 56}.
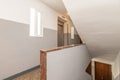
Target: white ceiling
{"x": 106, "y": 58}
{"x": 57, "y": 5}
{"x": 98, "y": 23}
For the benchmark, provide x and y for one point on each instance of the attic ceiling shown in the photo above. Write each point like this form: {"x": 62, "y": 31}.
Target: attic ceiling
{"x": 97, "y": 22}
{"x": 57, "y": 5}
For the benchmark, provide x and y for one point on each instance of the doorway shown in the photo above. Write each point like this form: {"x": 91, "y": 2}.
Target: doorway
{"x": 60, "y": 33}
{"x": 103, "y": 71}
{"x": 63, "y": 32}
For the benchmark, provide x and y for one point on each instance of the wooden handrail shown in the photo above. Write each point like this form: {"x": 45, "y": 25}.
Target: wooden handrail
{"x": 59, "y": 48}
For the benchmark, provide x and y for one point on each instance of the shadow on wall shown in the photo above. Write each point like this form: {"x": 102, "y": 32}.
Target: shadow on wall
{"x": 118, "y": 77}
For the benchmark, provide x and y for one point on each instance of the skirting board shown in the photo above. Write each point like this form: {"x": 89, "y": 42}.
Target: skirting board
{"x": 22, "y": 73}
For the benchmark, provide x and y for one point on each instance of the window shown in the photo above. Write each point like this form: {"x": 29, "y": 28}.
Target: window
{"x": 36, "y": 29}
{"x": 72, "y": 32}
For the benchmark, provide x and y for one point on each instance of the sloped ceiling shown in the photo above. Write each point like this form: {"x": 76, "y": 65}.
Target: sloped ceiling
{"x": 98, "y": 23}
{"x": 57, "y": 5}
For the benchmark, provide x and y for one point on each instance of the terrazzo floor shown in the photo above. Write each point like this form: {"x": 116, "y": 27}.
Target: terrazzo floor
{"x": 34, "y": 75}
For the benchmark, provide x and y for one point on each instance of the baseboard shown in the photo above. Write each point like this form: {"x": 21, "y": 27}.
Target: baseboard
{"x": 22, "y": 73}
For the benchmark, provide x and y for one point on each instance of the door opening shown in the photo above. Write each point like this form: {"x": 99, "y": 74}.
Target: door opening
{"x": 63, "y": 36}
{"x": 103, "y": 71}
{"x": 60, "y": 33}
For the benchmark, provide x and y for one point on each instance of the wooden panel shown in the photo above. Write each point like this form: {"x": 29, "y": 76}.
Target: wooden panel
{"x": 89, "y": 69}
{"x": 43, "y": 65}
{"x": 102, "y": 71}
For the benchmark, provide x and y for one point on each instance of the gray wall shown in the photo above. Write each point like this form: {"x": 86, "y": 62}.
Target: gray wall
{"x": 69, "y": 41}
{"x": 68, "y": 64}
{"x": 19, "y": 51}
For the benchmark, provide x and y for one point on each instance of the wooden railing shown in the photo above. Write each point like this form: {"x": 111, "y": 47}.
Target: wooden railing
{"x": 59, "y": 48}
{"x": 43, "y": 58}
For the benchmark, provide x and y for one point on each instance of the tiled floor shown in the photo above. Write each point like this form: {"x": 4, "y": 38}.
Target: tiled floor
{"x": 34, "y": 75}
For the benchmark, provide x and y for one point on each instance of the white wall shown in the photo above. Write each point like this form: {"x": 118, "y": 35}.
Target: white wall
{"x": 19, "y": 11}
{"x": 116, "y": 67}
{"x": 68, "y": 64}
{"x": 19, "y": 51}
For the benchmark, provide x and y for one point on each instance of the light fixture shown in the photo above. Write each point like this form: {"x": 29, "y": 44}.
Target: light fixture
{"x": 72, "y": 32}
